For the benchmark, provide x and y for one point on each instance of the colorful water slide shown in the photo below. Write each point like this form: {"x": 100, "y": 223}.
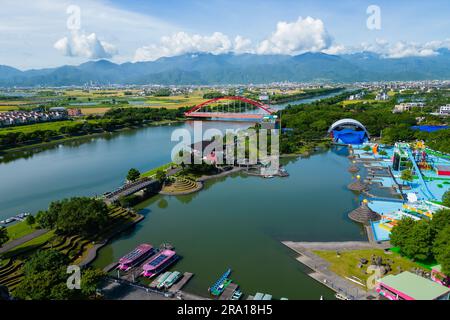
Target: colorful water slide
{"x": 423, "y": 184}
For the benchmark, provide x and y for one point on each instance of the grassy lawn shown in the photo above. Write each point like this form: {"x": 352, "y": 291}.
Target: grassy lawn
{"x": 347, "y": 264}
{"x": 19, "y": 230}
{"x": 153, "y": 171}
{"x": 30, "y": 245}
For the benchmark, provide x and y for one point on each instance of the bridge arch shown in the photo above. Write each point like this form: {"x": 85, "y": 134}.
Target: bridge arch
{"x": 196, "y": 111}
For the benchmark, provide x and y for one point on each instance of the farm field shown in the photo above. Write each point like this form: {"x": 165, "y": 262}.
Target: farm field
{"x": 55, "y": 126}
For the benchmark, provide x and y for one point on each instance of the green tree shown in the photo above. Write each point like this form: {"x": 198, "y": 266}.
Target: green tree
{"x": 161, "y": 176}
{"x": 90, "y": 279}
{"x": 441, "y": 219}
{"x": 441, "y": 245}
{"x": 446, "y": 199}
{"x": 82, "y": 216}
{"x": 444, "y": 261}
{"x": 420, "y": 245}
{"x": 133, "y": 174}
{"x": 45, "y": 285}
{"x": 45, "y": 260}
{"x": 30, "y": 220}
{"x": 407, "y": 175}
{"x": 401, "y": 233}
{"x": 3, "y": 236}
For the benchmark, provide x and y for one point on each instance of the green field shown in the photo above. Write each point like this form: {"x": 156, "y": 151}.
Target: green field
{"x": 152, "y": 172}
{"x": 19, "y": 230}
{"x": 55, "y": 126}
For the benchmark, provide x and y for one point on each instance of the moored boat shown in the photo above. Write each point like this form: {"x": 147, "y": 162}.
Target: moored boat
{"x": 159, "y": 262}
{"x": 139, "y": 254}
{"x": 219, "y": 286}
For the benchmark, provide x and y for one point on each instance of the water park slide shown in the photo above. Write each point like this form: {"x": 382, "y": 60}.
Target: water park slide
{"x": 428, "y": 193}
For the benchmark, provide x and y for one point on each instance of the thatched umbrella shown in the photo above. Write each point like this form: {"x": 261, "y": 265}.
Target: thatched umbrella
{"x": 364, "y": 214}
{"x": 357, "y": 185}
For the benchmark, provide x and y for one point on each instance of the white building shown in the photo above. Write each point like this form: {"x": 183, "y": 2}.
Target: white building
{"x": 402, "y": 107}
{"x": 444, "y": 110}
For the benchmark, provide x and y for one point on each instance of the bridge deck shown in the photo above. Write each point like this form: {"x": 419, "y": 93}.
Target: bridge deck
{"x": 129, "y": 189}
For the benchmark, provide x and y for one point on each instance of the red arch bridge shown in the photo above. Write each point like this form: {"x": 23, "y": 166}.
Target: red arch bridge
{"x": 230, "y": 108}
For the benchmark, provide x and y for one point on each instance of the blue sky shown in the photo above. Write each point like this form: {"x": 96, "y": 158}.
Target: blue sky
{"x": 34, "y": 33}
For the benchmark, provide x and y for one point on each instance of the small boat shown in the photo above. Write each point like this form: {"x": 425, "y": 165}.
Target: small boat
{"x": 219, "y": 286}
{"x": 269, "y": 177}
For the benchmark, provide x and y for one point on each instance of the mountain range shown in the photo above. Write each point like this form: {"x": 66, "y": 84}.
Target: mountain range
{"x": 209, "y": 69}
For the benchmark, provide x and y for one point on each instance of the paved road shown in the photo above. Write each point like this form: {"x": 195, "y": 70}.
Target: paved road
{"x": 17, "y": 242}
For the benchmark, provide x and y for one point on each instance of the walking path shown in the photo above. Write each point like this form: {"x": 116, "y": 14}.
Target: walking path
{"x": 17, "y": 242}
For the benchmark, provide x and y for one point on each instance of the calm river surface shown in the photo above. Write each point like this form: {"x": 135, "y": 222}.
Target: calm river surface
{"x": 234, "y": 222}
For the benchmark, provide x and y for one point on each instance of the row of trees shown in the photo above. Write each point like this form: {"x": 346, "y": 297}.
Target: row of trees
{"x": 425, "y": 239}
{"x": 112, "y": 120}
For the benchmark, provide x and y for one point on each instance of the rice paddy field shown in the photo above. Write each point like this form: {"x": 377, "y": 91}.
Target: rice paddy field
{"x": 56, "y": 125}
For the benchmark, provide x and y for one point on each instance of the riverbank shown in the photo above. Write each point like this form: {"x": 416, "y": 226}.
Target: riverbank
{"x": 51, "y": 143}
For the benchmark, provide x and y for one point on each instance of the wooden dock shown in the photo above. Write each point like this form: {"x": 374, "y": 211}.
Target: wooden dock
{"x": 180, "y": 284}
{"x": 228, "y": 292}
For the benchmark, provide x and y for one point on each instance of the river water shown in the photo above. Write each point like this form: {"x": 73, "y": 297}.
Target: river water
{"x": 235, "y": 222}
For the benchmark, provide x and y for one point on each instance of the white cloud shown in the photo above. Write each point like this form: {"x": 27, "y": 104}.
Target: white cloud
{"x": 30, "y": 28}
{"x": 303, "y": 35}
{"x": 405, "y": 49}
{"x": 242, "y": 45}
{"x": 181, "y": 43}
{"x": 401, "y": 49}
{"x": 87, "y": 46}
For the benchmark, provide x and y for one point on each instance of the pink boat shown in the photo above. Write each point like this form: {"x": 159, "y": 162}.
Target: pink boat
{"x": 159, "y": 262}
{"x": 142, "y": 252}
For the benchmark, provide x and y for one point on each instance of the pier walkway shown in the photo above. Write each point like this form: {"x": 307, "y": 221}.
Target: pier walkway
{"x": 180, "y": 284}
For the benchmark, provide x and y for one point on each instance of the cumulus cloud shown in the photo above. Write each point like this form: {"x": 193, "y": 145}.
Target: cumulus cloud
{"x": 303, "y": 35}
{"x": 401, "y": 49}
{"x": 289, "y": 38}
{"x": 242, "y": 45}
{"x": 181, "y": 43}
{"x": 86, "y": 46}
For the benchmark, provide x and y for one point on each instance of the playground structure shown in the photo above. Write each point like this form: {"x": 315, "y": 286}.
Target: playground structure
{"x": 421, "y": 156}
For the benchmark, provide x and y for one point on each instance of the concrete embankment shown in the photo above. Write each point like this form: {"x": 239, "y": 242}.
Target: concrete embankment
{"x": 320, "y": 268}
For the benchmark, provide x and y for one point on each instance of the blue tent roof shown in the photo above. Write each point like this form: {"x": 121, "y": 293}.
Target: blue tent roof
{"x": 349, "y": 136}
{"x": 429, "y": 128}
